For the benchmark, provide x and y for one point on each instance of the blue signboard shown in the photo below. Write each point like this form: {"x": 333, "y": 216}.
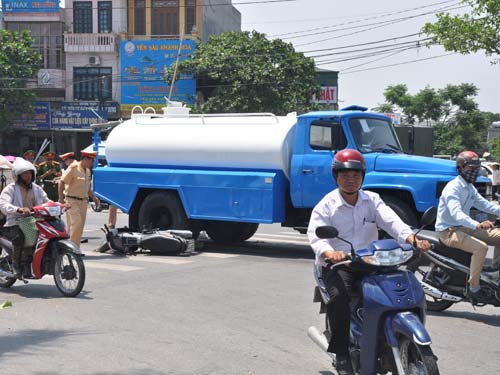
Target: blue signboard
{"x": 30, "y": 6}
{"x": 76, "y": 119}
{"x": 109, "y": 107}
{"x": 39, "y": 119}
{"x": 143, "y": 65}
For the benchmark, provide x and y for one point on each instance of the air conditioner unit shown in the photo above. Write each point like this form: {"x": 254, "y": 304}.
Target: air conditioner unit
{"x": 94, "y": 60}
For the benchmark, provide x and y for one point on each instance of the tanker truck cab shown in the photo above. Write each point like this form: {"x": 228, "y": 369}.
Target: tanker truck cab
{"x": 227, "y": 174}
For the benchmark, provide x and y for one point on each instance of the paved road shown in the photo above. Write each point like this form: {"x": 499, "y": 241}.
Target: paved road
{"x": 229, "y": 310}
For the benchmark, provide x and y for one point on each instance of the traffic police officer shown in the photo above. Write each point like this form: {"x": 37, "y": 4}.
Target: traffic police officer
{"x": 67, "y": 158}
{"x": 49, "y": 170}
{"x": 29, "y": 155}
{"x": 75, "y": 189}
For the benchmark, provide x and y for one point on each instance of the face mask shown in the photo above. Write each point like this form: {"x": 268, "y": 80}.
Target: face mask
{"x": 470, "y": 176}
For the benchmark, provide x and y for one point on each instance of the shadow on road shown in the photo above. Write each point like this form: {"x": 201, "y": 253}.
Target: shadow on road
{"x": 42, "y": 291}
{"x": 491, "y": 320}
{"x": 261, "y": 249}
{"x": 25, "y": 342}
{"x": 326, "y": 373}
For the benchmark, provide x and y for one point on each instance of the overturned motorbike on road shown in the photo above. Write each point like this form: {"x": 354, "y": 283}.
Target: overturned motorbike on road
{"x": 387, "y": 328}
{"x": 47, "y": 251}
{"x": 444, "y": 272}
{"x": 165, "y": 242}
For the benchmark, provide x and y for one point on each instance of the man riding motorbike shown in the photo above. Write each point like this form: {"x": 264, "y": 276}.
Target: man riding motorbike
{"x": 455, "y": 226}
{"x": 356, "y": 214}
{"x": 16, "y": 201}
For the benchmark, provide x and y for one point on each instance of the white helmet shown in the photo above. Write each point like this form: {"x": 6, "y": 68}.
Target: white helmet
{"x": 21, "y": 166}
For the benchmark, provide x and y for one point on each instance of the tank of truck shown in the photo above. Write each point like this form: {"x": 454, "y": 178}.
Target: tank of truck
{"x": 262, "y": 142}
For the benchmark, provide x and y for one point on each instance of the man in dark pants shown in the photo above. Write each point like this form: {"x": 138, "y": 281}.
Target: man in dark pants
{"x": 16, "y": 201}
{"x": 357, "y": 215}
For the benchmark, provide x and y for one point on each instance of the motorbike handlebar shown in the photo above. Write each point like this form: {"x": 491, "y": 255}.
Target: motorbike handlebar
{"x": 331, "y": 265}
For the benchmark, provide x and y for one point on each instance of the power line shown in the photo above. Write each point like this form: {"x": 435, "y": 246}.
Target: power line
{"x": 365, "y": 19}
{"x": 401, "y": 63}
{"x": 378, "y": 26}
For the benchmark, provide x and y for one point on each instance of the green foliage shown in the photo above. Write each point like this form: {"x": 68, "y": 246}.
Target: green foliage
{"x": 18, "y": 63}
{"x": 246, "y": 72}
{"x": 470, "y": 32}
{"x": 453, "y": 111}
{"x": 494, "y": 148}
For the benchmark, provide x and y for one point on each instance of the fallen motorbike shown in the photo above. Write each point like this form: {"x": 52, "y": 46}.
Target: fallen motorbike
{"x": 51, "y": 253}
{"x": 387, "y": 317}
{"x": 443, "y": 273}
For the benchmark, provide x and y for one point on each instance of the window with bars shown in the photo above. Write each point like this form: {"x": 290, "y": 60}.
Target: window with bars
{"x": 92, "y": 84}
{"x": 47, "y": 40}
{"x": 140, "y": 18}
{"x": 104, "y": 16}
{"x": 190, "y": 15}
{"x": 82, "y": 17}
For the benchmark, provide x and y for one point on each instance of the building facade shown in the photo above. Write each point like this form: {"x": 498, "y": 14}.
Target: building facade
{"x": 100, "y": 54}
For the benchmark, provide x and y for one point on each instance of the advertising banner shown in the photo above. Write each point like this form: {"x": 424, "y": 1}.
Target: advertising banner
{"x": 328, "y": 95}
{"x": 39, "y": 119}
{"x": 143, "y": 66}
{"x": 30, "y": 6}
{"x": 76, "y": 119}
{"x": 109, "y": 107}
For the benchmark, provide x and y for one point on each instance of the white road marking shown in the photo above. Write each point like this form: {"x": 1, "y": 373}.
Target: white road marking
{"x": 218, "y": 255}
{"x": 294, "y": 234}
{"x": 280, "y": 236}
{"x": 111, "y": 267}
{"x": 265, "y": 239}
{"x": 156, "y": 259}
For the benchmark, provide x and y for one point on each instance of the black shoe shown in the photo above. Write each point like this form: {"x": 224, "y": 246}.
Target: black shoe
{"x": 476, "y": 296}
{"x": 344, "y": 366}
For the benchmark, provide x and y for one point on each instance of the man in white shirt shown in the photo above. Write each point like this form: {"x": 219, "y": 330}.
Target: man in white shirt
{"x": 356, "y": 214}
{"x": 16, "y": 202}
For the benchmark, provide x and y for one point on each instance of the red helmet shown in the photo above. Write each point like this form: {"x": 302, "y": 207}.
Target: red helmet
{"x": 348, "y": 159}
{"x": 466, "y": 158}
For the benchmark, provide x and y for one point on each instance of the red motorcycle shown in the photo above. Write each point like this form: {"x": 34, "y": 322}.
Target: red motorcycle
{"x": 53, "y": 254}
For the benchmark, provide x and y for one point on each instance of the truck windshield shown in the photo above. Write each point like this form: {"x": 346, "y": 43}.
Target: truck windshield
{"x": 373, "y": 135}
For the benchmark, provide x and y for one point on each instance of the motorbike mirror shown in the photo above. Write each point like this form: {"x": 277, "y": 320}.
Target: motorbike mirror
{"x": 429, "y": 216}
{"x": 326, "y": 231}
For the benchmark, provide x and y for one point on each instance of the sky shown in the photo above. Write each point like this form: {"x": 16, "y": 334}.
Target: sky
{"x": 346, "y": 17}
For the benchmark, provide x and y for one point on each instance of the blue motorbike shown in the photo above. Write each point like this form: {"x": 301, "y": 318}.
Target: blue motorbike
{"x": 388, "y": 334}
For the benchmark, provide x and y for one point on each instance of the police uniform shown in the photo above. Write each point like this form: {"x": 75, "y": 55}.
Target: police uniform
{"x": 49, "y": 185}
{"x": 76, "y": 181}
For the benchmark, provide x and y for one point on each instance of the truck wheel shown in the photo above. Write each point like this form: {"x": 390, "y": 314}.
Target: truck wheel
{"x": 162, "y": 210}
{"x": 402, "y": 209}
{"x": 223, "y": 231}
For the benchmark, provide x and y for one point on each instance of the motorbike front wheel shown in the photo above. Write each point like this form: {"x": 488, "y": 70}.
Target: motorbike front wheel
{"x": 69, "y": 273}
{"x": 421, "y": 268}
{"x": 417, "y": 359}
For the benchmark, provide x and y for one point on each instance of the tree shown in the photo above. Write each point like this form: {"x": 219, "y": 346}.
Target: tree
{"x": 471, "y": 32}
{"x": 453, "y": 111}
{"x": 18, "y": 63}
{"x": 246, "y": 72}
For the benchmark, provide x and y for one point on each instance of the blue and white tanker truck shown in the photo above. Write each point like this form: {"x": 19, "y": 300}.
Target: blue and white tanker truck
{"x": 228, "y": 173}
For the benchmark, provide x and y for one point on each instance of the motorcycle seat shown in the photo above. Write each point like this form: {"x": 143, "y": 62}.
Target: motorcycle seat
{"x": 456, "y": 254}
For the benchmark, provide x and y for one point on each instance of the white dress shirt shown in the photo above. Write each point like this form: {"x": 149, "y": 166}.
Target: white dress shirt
{"x": 358, "y": 224}
{"x": 495, "y": 177}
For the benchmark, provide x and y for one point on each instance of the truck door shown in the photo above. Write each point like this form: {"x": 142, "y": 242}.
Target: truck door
{"x": 325, "y": 138}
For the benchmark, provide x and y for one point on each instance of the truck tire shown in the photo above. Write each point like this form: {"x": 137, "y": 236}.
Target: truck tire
{"x": 230, "y": 232}
{"x": 402, "y": 209}
{"x": 162, "y": 210}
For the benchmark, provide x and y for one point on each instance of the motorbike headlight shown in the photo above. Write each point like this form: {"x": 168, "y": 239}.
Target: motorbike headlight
{"x": 388, "y": 257}
{"x": 54, "y": 211}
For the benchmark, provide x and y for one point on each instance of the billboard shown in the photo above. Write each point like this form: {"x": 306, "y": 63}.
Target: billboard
{"x": 39, "y": 119}
{"x": 143, "y": 64}
{"x": 30, "y": 6}
{"x": 328, "y": 95}
{"x": 76, "y": 119}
